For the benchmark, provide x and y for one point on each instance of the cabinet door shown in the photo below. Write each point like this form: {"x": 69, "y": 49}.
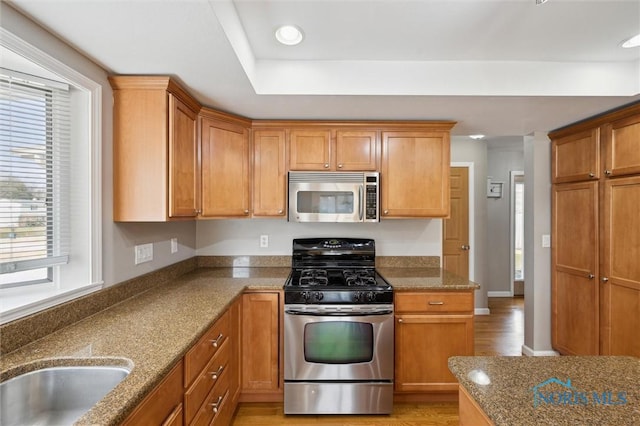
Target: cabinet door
{"x": 310, "y": 150}
{"x": 357, "y": 150}
{"x": 183, "y": 160}
{"x": 225, "y": 169}
{"x": 424, "y": 344}
{"x": 415, "y": 174}
{"x": 621, "y": 267}
{"x": 622, "y": 146}
{"x": 269, "y": 173}
{"x": 574, "y": 285}
{"x": 261, "y": 343}
{"x": 576, "y": 157}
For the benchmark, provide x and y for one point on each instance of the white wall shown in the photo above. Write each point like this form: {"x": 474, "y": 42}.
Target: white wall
{"x": 118, "y": 239}
{"x": 502, "y": 158}
{"x": 464, "y": 149}
{"x": 419, "y": 237}
{"x": 537, "y": 201}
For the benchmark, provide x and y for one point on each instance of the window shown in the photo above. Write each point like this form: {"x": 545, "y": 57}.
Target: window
{"x": 50, "y": 183}
{"x": 34, "y": 178}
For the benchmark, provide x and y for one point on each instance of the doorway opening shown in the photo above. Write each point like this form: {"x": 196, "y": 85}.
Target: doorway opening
{"x": 517, "y": 233}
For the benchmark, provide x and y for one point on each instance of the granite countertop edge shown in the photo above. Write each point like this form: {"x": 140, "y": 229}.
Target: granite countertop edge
{"x": 163, "y": 323}
{"x": 508, "y": 394}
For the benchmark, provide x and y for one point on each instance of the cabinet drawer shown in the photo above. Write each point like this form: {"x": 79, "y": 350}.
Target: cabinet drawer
{"x": 200, "y": 354}
{"x": 161, "y": 402}
{"x": 210, "y": 376}
{"x": 214, "y": 403}
{"x": 434, "y": 302}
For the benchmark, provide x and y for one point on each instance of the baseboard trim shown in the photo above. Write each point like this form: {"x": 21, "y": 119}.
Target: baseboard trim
{"x": 527, "y": 351}
{"x": 482, "y": 311}
{"x": 499, "y": 294}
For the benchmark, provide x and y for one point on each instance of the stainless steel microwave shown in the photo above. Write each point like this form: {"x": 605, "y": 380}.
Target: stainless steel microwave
{"x": 334, "y": 197}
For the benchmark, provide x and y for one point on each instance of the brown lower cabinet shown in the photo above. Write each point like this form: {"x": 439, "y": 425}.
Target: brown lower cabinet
{"x": 430, "y": 327}
{"x": 240, "y": 357}
{"x": 262, "y": 379}
{"x": 470, "y": 414}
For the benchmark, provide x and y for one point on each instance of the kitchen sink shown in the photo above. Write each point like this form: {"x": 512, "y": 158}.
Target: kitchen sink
{"x": 56, "y": 395}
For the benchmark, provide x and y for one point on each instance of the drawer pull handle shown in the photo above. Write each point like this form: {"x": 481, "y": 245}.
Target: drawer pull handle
{"x": 436, "y": 303}
{"x": 216, "y": 405}
{"x": 216, "y": 374}
{"x": 217, "y": 341}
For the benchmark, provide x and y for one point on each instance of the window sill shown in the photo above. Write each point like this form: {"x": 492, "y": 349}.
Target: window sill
{"x": 17, "y": 304}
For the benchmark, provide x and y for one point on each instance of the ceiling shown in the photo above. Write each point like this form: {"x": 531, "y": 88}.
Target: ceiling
{"x": 501, "y": 68}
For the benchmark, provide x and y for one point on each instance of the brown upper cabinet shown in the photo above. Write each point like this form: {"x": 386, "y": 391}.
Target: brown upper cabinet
{"x": 622, "y": 149}
{"x": 175, "y": 160}
{"x": 154, "y": 150}
{"x": 334, "y": 150}
{"x": 224, "y": 144}
{"x": 269, "y": 173}
{"x": 576, "y": 157}
{"x": 415, "y": 173}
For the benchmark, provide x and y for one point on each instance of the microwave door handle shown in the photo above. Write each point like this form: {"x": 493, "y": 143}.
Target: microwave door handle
{"x": 360, "y": 192}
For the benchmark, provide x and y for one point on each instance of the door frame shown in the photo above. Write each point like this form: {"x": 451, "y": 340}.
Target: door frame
{"x": 512, "y": 226}
{"x": 472, "y": 234}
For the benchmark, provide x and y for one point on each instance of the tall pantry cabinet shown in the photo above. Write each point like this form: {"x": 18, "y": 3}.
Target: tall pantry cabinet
{"x": 596, "y": 235}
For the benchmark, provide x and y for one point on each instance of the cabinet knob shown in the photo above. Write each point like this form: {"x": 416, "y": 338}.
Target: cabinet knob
{"x": 339, "y": 166}
{"x": 592, "y": 175}
{"x": 465, "y": 247}
{"x": 591, "y": 276}
{"x": 605, "y": 279}
{"x": 246, "y": 212}
{"x": 326, "y": 166}
{"x": 386, "y": 212}
{"x": 280, "y": 211}
{"x": 399, "y": 319}
{"x": 607, "y": 172}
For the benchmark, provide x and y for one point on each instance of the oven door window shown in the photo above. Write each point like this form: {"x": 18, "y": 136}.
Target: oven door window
{"x": 338, "y": 342}
{"x": 329, "y": 202}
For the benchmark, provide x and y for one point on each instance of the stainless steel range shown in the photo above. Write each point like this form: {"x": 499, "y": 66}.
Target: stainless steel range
{"x": 338, "y": 322}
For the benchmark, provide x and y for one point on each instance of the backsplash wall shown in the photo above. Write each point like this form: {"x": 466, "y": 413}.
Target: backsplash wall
{"x": 411, "y": 237}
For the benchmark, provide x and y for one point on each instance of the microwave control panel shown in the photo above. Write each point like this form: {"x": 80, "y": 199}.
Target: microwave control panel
{"x": 371, "y": 198}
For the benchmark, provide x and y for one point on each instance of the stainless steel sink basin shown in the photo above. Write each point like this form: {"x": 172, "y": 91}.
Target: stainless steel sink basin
{"x": 56, "y": 395}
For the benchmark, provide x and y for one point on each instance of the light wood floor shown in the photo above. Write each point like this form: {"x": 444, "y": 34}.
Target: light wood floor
{"x": 501, "y": 333}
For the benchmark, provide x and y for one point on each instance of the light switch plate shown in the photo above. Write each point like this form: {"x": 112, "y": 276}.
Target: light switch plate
{"x": 264, "y": 241}
{"x": 546, "y": 240}
{"x": 174, "y": 245}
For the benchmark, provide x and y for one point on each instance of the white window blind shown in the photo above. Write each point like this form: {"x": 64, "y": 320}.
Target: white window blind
{"x": 34, "y": 176}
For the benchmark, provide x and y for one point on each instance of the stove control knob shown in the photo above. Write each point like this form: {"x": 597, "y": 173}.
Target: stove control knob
{"x": 318, "y": 296}
{"x": 371, "y": 296}
{"x": 305, "y": 295}
{"x": 356, "y": 296}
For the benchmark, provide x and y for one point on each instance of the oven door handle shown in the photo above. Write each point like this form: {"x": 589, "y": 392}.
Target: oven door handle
{"x": 338, "y": 314}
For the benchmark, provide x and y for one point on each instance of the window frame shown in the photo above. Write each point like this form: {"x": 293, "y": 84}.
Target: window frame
{"x": 89, "y": 109}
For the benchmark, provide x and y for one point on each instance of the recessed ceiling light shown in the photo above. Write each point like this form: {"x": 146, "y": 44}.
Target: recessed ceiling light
{"x": 289, "y": 35}
{"x": 476, "y": 137}
{"x": 541, "y": 1}
{"x": 632, "y": 42}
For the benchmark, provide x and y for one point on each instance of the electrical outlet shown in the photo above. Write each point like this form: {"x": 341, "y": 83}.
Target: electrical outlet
{"x": 546, "y": 240}
{"x": 264, "y": 241}
{"x": 174, "y": 245}
{"x": 143, "y": 253}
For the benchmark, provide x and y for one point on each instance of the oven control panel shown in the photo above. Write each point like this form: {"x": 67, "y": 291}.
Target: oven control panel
{"x": 328, "y": 297}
